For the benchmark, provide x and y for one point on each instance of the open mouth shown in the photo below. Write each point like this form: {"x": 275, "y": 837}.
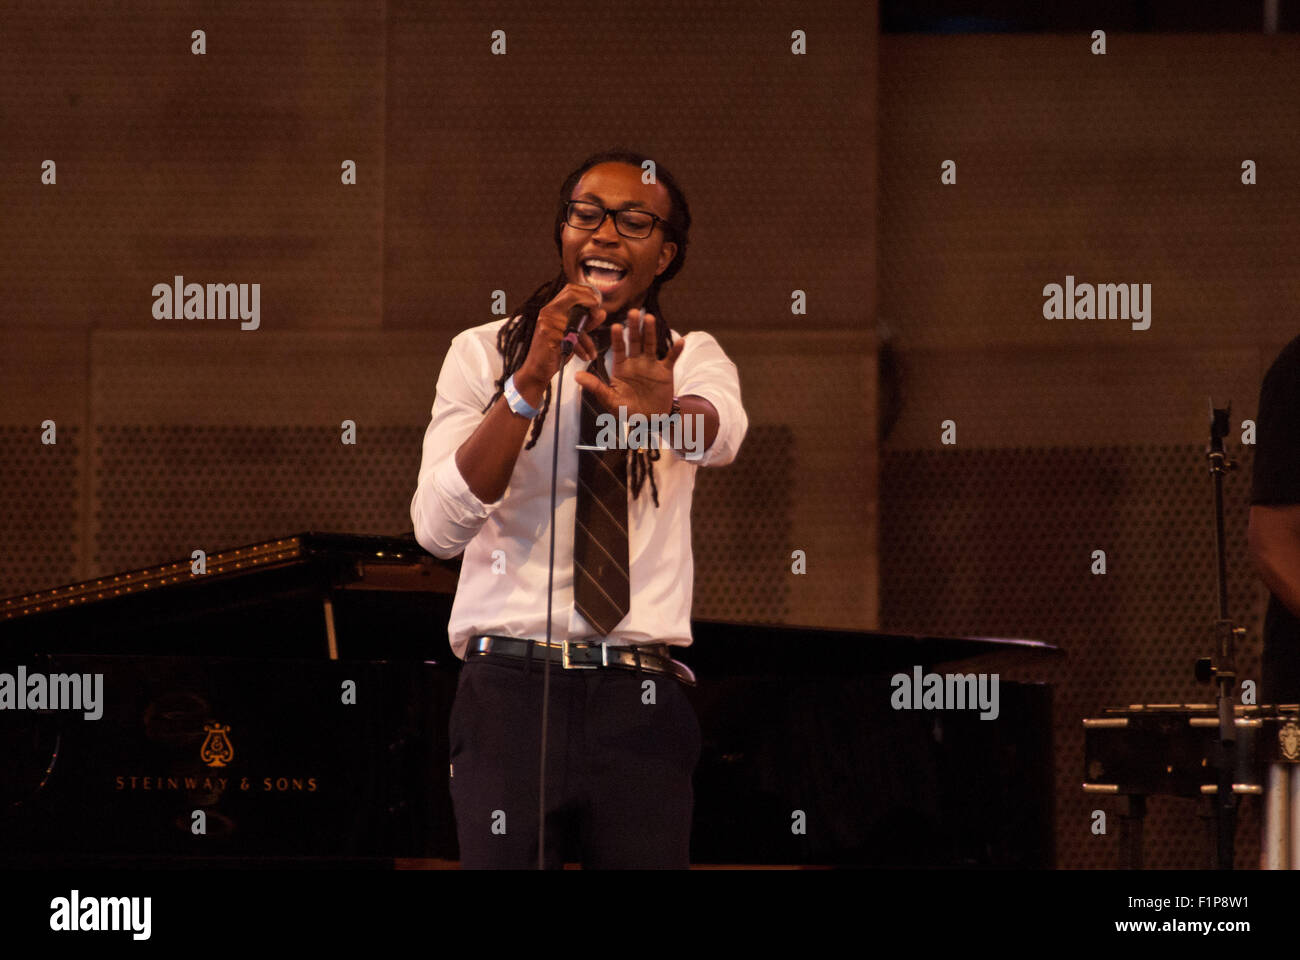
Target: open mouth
{"x": 602, "y": 274}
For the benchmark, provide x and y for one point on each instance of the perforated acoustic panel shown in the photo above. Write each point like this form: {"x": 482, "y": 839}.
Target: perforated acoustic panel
{"x": 165, "y": 491}
{"x": 741, "y": 531}
{"x": 999, "y": 543}
{"x": 820, "y": 388}
{"x": 40, "y": 516}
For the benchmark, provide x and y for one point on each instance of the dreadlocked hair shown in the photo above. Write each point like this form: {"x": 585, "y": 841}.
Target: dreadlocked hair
{"x": 516, "y": 335}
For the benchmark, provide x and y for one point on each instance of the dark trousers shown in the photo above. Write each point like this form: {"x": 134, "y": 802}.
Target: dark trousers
{"x": 618, "y": 768}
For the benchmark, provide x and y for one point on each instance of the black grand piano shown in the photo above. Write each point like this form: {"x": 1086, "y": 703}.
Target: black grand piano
{"x": 289, "y": 704}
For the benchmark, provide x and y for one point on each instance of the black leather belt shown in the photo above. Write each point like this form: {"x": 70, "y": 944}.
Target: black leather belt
{"x": 584, "y": 654}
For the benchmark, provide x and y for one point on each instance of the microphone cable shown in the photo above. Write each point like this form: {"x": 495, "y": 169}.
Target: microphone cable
{"x": 546, "y": 669}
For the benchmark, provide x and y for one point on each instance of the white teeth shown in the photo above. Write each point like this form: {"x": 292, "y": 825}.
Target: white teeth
{"x": 604, "y": 265}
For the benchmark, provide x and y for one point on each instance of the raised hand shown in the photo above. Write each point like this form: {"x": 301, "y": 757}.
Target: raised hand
{"x": 641, "y": 382}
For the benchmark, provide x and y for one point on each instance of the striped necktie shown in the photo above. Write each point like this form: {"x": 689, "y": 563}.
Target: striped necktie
{"x": 601, "y": 572}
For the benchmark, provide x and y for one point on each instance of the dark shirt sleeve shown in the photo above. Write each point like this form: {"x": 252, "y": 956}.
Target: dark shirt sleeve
{"x": 1277, "y": 432}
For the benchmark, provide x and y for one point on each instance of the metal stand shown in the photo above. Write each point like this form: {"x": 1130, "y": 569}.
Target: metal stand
{"x": 1130, "y": 831}
{"x": 1222, "y": 670}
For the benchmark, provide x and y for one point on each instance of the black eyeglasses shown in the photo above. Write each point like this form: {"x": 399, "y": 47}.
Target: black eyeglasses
{"x": 633, "y": 224}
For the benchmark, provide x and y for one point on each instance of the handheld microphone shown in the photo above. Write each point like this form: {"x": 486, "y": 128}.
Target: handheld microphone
{"x": 578, "y": 319}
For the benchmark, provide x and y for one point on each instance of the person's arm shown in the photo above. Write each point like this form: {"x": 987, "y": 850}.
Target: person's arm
{"x": 708, "y": 383}
{"x": 1274, "y": 531}
{"x": 487, "y": 458}
{"x": 1274, "y": 539}
{"x": 469, "y": 456}
{"x": 691, "y": 405}
{"x": 445, "y": 513}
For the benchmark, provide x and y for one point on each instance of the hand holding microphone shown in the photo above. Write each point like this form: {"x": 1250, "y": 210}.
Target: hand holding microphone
{"x": 579, "y": 317}
{"x": 562, "y": 327}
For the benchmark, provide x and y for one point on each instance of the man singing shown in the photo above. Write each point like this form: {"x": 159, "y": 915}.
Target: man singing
{"x": 622, "y": 738}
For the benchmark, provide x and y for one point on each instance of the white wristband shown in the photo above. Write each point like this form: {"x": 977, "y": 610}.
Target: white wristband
{"x": 517, "y": 403}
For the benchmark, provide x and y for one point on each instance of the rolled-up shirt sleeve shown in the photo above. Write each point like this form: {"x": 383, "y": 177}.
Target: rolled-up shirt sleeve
{"x": 703, "y": 370}
{"x": 445, "y": 513}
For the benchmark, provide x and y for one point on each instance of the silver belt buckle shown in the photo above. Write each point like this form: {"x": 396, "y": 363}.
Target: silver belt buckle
{"x": 570, "y": 665}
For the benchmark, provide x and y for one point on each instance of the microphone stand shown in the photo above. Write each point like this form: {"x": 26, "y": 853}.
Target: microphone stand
{"x": 566, "y": 349}
{"x": 550, "y": 580}
{"x": 1222, "y": 669}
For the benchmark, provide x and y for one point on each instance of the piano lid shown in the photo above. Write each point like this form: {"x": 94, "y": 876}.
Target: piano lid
{"x": 354, "y": 560}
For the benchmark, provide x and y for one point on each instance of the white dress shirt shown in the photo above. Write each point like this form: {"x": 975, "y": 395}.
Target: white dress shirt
{"x": 449, "y": 518}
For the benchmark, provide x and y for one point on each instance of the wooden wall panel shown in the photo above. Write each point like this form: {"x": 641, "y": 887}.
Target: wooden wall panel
{"x": 776, "y": 152}
{"x": 1123, "y": 167}
{"x": 222, "y": 167}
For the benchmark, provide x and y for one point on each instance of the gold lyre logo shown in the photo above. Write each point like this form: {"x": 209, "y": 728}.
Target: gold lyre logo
{"x": 217, "y": 751}
{"x": 1288, "y": 737}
